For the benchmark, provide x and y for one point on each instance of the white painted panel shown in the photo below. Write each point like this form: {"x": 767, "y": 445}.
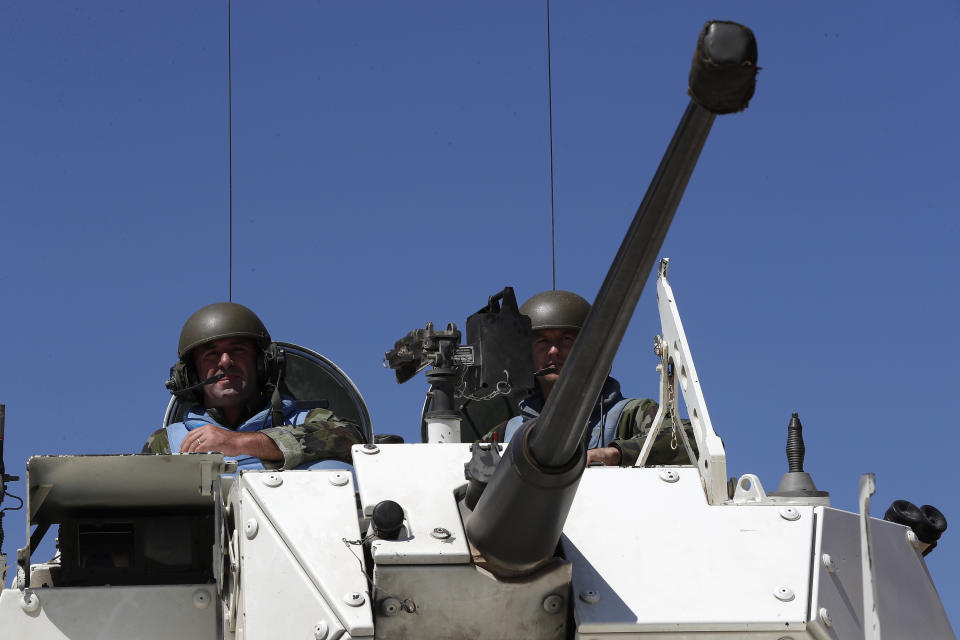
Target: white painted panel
{"x": 93, "y": 613}
{"x": 421, "y": 478}
{"x": 277, "y": 599}
{"x": 304, "y": 521}
{"x": 661, "y": 559}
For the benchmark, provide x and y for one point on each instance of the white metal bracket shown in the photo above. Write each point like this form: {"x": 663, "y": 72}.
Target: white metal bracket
{"x": 677, "y": 366}
{"x": 871, "y": 622}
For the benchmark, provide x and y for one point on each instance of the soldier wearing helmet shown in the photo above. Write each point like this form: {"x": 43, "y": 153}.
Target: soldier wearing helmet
{"x": 618, "y": 425}
{"x": 224, "y": 378}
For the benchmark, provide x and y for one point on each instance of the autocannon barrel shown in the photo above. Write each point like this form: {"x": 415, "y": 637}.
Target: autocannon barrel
{"x": 519, "y": 518}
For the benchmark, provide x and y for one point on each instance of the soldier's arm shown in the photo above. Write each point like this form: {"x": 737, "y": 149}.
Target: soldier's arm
{"x": 322, "y": 436}
{"x": 632, "y": 430}
{"x": 157, "y": 442}
{"x": 210, "y": 437}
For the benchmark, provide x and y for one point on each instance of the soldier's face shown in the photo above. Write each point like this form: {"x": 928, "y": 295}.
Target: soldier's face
{"x": 550, "y": 349}
{"x": 237, "y": 359}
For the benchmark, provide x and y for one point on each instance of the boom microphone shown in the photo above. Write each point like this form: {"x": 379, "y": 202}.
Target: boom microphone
{"x": 211, "y": 380}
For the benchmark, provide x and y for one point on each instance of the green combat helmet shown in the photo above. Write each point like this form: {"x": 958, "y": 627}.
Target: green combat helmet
{"x": 213, "y": 322}
{"x": 221, "y": 320}
{"x": 556, "y": 309}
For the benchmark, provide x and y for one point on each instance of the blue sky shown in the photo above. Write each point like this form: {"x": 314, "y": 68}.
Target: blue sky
{"x": 391, "y": 168}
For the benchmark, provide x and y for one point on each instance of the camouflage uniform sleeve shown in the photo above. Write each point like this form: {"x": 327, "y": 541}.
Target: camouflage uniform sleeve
{"x": 635, "y": 423}
{"x": 322, "y": 436}
{"x": 157, "y": 442}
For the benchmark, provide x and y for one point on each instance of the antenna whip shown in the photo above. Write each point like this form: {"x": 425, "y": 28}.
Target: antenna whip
{"x": 553, "y": 239}
{"x": 229, "y": 158}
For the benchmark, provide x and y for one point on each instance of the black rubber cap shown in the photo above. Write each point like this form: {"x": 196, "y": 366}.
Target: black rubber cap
{"x": 936, "y": 520}
{"x": 926, "y": 521}
{"x": 904, "y": 512}
{"x": 724, "y": 72}
{"x": 387, "y": 519}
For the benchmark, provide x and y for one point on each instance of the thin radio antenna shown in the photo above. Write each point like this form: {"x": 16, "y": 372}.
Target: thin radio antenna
{"x": 229, "y": 157}
{"x": 553, "y": 237}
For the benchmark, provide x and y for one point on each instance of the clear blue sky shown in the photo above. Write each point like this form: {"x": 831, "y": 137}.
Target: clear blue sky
{"x": 390, "y": 168}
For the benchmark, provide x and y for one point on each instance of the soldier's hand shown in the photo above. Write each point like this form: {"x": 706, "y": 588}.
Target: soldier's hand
{"x": 230, "y": 443}
{"x": 607, "y": 456}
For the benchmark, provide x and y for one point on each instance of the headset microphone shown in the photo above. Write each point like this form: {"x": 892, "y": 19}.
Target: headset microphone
{"x": 211, "y": 380}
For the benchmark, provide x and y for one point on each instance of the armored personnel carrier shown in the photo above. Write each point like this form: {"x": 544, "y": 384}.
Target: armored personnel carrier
{"x": 529, "y": 543}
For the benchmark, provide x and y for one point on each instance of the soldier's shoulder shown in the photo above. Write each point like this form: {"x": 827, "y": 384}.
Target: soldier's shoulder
{"x": 327, "y": 416}
{"x": 157, "y": 442}
{"x": 642, "y": 403}
{"x": 641, "y": 406}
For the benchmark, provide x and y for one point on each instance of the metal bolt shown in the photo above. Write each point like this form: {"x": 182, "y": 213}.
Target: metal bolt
{"x": 320, "y": 630}
{"x": 829, "y": 563}
{"x": 370, "y": 449}
{"x": 31, "y": 602}
{"x": 669, "y": 475}
{"x": 390, "y": 607}
{"x": 912, "y": 539}
{"x": 789, "y": 513}
{"x": 272, "y": 480}
{"x": 440, "y": 533}
{"x": 553, "y": 603}
{"x": 590, "y": 596}
{"x": 250, "y": 528}
{"x": 339, "y": 479}
{"x": 825, "y": 618}
{"x": 201, "y": 598}
{"x": 784, "y": 594}
{"x": 354, "y": 599}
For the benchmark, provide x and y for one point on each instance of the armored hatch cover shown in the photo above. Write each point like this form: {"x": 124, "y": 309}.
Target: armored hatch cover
{"x": 58, "y": 485}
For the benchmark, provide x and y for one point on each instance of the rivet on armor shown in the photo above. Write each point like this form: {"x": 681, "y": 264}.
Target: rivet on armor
{"x": 440, "y": 533}
{"x": 390, "y": 607}
{"x": 320, "y": 630}
{"x": 250, "y": 528}
{"x": 272, "y": 480}
{"x": 784, "y": 594}
{"x": 669, "y": 475}
{"x": 829, "y": 563}
{"x": 790, "y": 513}
{"x": 30, "y": 603}
{"x": 590, "y": 596}
{"x": 354, "y": 599}
{"x": 553, "y": 603}
{"x": 339, "y": 478}
{"x": 201, "y": 598}
{"x": 825, "y": 618}
{"x": 370, "y": 449}
{"x": 912, "y": 539}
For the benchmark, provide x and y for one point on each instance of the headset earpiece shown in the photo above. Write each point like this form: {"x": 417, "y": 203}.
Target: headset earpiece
{"x": 181, "y": 378}
{"x": 271, "y": 364}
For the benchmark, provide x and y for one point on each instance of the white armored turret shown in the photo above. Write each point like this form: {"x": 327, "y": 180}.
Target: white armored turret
{"x": 166, "y": 546}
